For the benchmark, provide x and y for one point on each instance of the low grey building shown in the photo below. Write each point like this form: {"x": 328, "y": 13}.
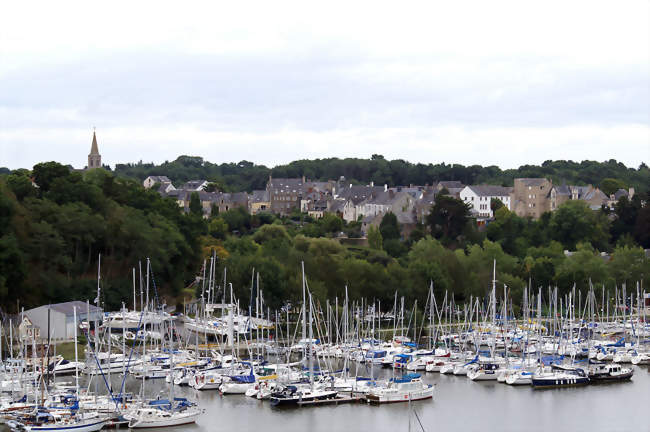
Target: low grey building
{"x": 62, "y": 318}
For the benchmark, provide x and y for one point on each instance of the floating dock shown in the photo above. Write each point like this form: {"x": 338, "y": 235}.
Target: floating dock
{"x": 333, "y": 401}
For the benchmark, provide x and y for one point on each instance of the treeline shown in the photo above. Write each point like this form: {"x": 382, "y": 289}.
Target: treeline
{"x": 51, "y": 237}
{"x": 246, "y": 176}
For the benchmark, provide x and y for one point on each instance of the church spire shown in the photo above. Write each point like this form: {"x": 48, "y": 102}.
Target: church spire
{"x": 93, "y": 148}
{"x": 94, "y": 158}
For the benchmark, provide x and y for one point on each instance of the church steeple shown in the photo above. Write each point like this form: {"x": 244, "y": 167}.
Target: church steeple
{"x": 94, "y": 158}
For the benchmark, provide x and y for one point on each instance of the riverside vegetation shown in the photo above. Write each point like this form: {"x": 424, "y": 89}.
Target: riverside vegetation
{"x": 51, "y": 235}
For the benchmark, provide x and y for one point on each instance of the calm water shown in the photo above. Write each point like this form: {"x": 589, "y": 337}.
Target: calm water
{"x": 458, "y": 405}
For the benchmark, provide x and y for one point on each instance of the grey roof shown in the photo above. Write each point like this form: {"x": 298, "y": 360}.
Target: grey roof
{"x": 356, "y": 194}
{"x": 385, "y": 197}
{"x": 286, "y": 184}
{"x": 621, "y": 193}
{"x": 532, "y": 181}
{"x": 450, "y": 184}
{"x": 259, "y": 196}
{"x": 160, "y": 179}
{"x": 490, "y": 190}
{"x": 193, "y": 184}
{"x": 67, "y": 308}
{"x": 337, "y": 205}
{"x": 562, "y": 190}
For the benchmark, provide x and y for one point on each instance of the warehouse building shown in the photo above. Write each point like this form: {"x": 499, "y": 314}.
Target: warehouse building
{"x": 61, "y": 319}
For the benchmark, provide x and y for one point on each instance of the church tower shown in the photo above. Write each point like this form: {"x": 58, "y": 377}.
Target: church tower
{"x": 94, "y": 158}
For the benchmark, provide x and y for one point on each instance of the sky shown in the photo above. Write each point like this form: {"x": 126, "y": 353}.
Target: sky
{"x": 471, "y": 82}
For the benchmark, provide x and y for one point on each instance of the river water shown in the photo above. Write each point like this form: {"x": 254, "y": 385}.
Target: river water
{"x": 459, "y": 404}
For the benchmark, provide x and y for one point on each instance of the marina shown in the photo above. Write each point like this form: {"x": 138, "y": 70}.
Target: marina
{"x": 227, "y": 368}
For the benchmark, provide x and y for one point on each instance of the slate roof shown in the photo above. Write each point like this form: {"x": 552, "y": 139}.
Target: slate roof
{"x": 286, "y": 184}
{"x": 193, "y": 184}
{"x": 259, "y": 196}
{"x": 450, "y": 184}
{"x": 621, "y": 193}
{"x": 357, "y": 194}
{"x": 160, "y": 179}
{"x": 337, "y": 205}
{"x": 490, "y": 190}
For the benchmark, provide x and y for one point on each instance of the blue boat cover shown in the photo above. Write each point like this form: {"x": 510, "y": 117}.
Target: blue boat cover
{"x": 406, "y": 378}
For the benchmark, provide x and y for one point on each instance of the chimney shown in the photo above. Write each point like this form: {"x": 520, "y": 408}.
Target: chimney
{"x": 303, "y": 179}
{"x": 372, "y": 183}
{"x": 630, "y": 192}
{"x": 385, "y": 187}
{"x": 350, "y": 185}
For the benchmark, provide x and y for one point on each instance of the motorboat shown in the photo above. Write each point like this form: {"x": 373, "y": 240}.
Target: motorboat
{"x": 407, "y": 388}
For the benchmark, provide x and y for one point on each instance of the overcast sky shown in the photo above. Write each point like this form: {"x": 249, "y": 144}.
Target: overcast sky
{"x": 485, "y": 82}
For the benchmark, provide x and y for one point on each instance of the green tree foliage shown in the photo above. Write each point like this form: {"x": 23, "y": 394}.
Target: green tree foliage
{"x": 196, "y": 208}
{"x": 448, "y": 218}
{"x": 375, "y": 239}
{"x": 629, "y": 265}
{"x": 611, "y": 185}
{"x": 218, "y": 228}
{"x": 574, "y": 222}
{"x": 389, "y": 227}
{"x": 49, "y": 244}
{"x": 21, "y": 186}
{"x": 583, "y": 266}
{"x": 50, "y": 236}
{"x": 496, "y": 204}
{"x": 331, "y": 223}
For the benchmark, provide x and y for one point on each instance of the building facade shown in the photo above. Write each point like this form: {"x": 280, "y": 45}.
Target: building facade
{"x": 530, "y": 197}
{"x": 480, "y": 198}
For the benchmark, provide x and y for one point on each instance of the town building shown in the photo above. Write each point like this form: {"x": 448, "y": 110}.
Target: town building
{"x": 258, "y": 202}
{"x": 479, "y": 197}
{"x": 285, "y": 194}
{"x": 530, "y": 197}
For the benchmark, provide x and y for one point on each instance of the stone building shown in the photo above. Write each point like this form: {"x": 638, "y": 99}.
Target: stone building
{"x": 531, "y": 196}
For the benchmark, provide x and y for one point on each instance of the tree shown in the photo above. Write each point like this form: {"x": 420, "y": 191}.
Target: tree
{"x": 45, "y": 173}
{"x": 218, "y": 228}
{"x": 642, "y": 227}
{"x": 375, "y": 239}
{"x": 448, "y": 218}
{"x": 574, "y": 222}
{"x": 196, "y": 208}
{"x": 331, "y": 223}
{"x": 610, "y": 185}
{"x": 21, "y": 186}
{"x": 389, "y": 227}
{"x": 581, "y": 268}
{"x": 629, "y": 265}
{"x": 495, "y": 204}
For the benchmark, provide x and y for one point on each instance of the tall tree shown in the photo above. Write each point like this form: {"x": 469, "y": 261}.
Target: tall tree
{"x": 195, "y": 204}
{"x": 448, "y": 218}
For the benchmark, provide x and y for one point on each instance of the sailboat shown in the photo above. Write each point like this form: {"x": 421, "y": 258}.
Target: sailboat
{"x": 409, "y": 387}
{"x": 164, "y": 412}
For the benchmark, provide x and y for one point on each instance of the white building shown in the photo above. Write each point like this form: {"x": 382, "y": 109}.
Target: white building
{"x": 480, "y": 197}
